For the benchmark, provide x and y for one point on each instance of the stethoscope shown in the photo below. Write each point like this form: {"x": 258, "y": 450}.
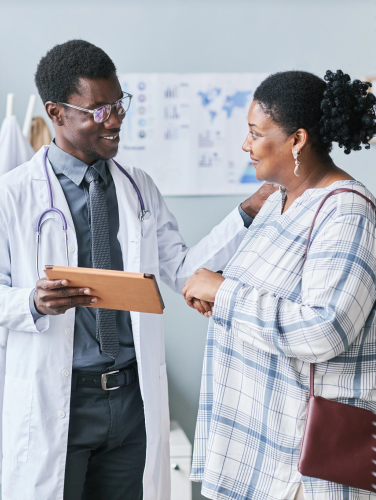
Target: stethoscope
{"x": 143, "y": 215}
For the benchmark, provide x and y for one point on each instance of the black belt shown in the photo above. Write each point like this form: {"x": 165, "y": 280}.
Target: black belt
{"x": 107, "y": 381}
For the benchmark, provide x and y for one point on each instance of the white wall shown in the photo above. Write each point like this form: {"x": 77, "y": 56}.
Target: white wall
{"x": 194, "y": 36}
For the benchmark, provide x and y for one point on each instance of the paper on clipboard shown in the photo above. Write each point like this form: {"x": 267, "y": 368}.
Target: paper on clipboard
{"x": 115, "y": 289}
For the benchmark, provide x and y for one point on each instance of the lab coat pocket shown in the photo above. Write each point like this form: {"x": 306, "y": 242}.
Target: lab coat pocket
{"x": 147, "y": 226}
{"x": 16, "y": 418}
{"x": 149, "y": 245}
{"x": 165, "y": 413}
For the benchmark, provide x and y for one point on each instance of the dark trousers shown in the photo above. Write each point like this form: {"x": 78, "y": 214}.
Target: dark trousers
{"x": 106, "y": 444}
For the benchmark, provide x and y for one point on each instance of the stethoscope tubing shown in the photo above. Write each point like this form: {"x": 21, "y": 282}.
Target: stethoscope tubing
{"x": 51, "y": 208}
{"x": 133, "y": 184}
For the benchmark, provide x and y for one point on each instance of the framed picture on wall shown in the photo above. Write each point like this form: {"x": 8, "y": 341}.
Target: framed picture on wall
{"x": 371, "y": 79}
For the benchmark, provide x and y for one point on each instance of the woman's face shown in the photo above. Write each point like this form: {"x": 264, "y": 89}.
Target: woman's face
{"x": 269, "y": 147}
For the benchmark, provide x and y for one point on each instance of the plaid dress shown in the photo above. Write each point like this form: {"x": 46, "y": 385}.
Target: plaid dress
{"x": 272, "y": 317}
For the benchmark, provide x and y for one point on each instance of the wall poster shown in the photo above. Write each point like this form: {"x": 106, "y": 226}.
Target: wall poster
{"x": 187, "y": 131}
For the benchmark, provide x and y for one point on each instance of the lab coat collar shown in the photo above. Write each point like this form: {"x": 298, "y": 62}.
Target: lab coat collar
{"x": 129, "y": 223}
{"x": 37, "y": 174}
{"x": 36, "y": 165}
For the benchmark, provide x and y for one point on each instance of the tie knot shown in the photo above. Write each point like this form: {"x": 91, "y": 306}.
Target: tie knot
{"x": 91, "y": 175}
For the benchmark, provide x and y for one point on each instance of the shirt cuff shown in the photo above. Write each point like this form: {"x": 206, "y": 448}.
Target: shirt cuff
{"x": 247, "y": 219}
{"x": 35, "y": 314}
{"x": 224, "y": 303}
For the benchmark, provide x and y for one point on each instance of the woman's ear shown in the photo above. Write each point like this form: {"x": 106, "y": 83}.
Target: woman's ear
{"x": 300, "y": 139}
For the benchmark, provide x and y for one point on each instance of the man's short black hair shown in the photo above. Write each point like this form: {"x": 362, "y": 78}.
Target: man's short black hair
{"x": 59, "y": 71}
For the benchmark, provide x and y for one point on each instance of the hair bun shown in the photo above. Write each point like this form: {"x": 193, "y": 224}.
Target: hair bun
{"x": 348, "y": 112}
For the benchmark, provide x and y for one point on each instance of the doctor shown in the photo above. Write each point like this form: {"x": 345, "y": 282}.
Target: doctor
{"x": 65, "y": 434}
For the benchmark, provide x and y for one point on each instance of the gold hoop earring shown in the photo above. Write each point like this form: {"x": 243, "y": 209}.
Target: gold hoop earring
{"x": 297, "y": 170}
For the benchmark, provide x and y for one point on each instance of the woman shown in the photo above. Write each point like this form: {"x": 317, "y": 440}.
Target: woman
{"x": 274, "y": 314}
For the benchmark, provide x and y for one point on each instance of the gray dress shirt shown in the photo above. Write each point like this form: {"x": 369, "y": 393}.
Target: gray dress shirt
{"x": 71, "y": 172}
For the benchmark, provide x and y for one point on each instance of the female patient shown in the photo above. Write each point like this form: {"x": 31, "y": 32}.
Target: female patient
{"x": 273, "y": 314}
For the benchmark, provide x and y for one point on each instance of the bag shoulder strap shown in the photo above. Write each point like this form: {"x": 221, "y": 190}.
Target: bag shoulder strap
{"x": 332, "y": 193}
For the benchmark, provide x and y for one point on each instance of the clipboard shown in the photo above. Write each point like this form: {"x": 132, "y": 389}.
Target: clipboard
{"x": 115, "y": 289}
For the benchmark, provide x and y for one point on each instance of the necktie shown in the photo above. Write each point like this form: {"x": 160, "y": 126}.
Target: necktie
{"x": 106, "y": 331}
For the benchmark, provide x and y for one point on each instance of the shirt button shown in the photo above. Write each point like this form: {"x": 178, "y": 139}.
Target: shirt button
{"x": 71, "y": 248}
{"x": 65, "y": 373}
{"x": 68, "y": 331}
{"x": 60, "y": 414}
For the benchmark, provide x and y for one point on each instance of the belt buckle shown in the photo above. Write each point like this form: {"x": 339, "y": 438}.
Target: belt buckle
{"x": 104, "y": 381}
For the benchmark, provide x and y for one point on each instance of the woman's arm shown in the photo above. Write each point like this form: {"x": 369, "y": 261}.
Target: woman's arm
{"x": 337, "y": 295}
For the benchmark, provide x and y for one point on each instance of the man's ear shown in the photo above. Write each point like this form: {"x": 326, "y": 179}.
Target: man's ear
{"x": 55, "y": 113}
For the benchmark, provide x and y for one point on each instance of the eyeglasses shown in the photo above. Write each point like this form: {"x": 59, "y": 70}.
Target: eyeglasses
{"x": 103, "y": 113}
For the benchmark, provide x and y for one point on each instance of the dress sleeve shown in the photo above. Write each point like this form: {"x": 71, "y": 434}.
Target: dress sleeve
{"x": 337, "y": 295}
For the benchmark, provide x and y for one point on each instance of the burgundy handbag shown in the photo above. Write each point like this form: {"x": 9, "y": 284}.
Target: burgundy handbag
{"x": 339, "y": 442}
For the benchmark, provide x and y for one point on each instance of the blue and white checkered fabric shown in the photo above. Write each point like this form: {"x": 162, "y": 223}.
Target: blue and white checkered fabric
{"x": 272, "y": 317}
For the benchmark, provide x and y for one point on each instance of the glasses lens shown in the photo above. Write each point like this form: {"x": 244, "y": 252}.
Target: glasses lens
{"x": 102, "y": 114}
{"x": 120, "y": 108}
{"x": 123, "y": 105}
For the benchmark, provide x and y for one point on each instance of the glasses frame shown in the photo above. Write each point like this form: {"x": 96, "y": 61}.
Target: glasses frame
{"x": 92, "y": 111}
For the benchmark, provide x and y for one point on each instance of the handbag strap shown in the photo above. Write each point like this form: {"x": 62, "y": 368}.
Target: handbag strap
{"x": 332, "y": 193}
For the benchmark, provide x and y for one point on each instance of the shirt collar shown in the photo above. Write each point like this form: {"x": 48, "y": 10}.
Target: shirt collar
{"x": 72, "y": 167}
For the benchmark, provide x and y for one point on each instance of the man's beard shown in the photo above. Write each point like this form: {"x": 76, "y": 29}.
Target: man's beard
{"x": 95, "y": 156}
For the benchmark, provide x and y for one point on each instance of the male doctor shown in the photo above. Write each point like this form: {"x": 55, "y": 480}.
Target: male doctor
{"x": 67, "y": 432}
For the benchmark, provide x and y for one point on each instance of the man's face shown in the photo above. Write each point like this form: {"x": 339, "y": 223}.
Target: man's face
{"x": 78, "y": 134}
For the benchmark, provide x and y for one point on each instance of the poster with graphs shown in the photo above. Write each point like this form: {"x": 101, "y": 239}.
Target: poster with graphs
{"x": 187, "y": 131}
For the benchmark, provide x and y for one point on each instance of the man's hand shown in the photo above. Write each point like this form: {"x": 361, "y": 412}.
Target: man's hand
{"x": 252, "y": 205}
{"x": 200, "y": 289}
{"x": 55, "y": 297}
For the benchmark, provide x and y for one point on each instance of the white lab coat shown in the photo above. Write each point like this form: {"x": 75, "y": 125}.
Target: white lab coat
{"x": 37, "y": 394}
{"x": 14, "y": 150}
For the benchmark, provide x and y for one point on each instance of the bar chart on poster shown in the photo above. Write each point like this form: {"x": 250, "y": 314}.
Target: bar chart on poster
{"x": 187, "y": 131}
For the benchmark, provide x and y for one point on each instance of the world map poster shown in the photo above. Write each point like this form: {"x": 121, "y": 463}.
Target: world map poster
{"x": 186, "y": 131}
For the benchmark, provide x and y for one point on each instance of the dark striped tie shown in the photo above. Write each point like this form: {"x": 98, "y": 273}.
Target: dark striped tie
{"x": 100, "y": 246}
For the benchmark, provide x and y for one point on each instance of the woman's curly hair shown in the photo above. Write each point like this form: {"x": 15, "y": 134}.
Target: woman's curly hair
{"x": 348, "y": 112}
{"x": 334, "y": 110}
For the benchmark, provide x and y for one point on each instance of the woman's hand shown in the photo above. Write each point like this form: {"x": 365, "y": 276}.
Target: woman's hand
{"x": 201, "y": 289}
{"x": 203, "y": 307}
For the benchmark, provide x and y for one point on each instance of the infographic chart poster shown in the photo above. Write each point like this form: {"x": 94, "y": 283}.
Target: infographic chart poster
{"x": 186, "y": 131}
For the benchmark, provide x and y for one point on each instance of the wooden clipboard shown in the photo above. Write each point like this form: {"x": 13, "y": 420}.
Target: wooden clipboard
{"x": 114, "y": 289}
